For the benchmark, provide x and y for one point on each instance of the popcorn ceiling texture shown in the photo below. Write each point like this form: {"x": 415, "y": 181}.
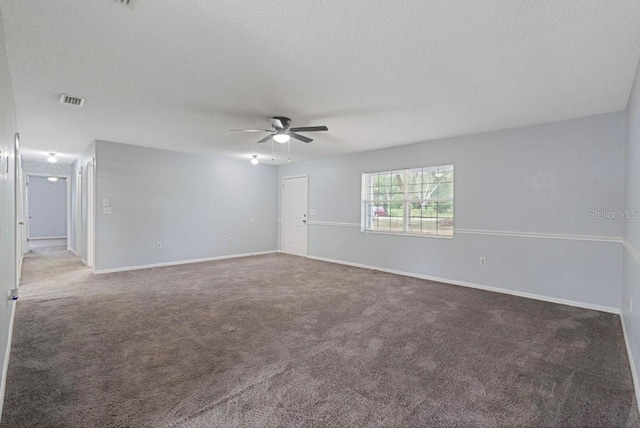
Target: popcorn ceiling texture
{"x": 279, "y": 340}
{"x": 179, "y": 75}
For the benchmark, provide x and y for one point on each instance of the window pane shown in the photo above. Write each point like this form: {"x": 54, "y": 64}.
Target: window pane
{"x": 445, "y": 174}
{"x": 429, "y": 174}
{"x": 426, "y": 194}
{"x": 444, "y": 191}
{"x": 445, "y": 209}
{"x": 445, "y": 226}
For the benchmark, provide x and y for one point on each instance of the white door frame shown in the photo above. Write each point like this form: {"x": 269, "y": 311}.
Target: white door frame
{"x": 306, "y": 250}
{"x": 18, "y": 208}
{"x": 68, "y": 179}
{"x": 91, "y": 213}
{"x": 78, "y": 230}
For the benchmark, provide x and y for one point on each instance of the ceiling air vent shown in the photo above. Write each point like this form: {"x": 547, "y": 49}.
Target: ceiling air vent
{"x": 74, "y": 101}
{"x": 125, "y": 2}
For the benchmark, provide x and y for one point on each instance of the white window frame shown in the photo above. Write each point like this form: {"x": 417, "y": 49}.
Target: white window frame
{"x": 406, "y": 201}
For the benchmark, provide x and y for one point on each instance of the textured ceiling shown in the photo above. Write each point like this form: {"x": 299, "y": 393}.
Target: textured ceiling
{"x": 180, "y": 74}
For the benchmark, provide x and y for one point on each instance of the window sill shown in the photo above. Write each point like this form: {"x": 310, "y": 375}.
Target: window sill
{"x": 416, "y": 235}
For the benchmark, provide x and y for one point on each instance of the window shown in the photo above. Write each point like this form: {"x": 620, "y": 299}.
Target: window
{"x": 416, "y": 201}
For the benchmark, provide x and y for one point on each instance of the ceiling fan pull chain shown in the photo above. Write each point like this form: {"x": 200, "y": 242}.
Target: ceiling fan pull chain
{"x": 289, "y": 150}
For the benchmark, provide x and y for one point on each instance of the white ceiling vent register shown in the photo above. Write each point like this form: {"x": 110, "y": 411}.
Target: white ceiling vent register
{"x": 74, "y": 101}
{"x": 125, "y": 2}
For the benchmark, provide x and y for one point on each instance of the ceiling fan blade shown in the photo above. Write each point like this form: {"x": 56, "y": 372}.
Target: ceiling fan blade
{"x": 265, "y": 139}
{"x": 249, "y": 130}
{"x": 309, "y": 129}
{"x": 276, "y": 122}
{"x": 301, "y": 137}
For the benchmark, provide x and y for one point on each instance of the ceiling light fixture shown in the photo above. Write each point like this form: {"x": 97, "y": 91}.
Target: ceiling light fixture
{"x": 52, "y": 158}
{"x": 254, "y": 160}
{"x": 281, "y": 138}
{"x": 52, "y": 179}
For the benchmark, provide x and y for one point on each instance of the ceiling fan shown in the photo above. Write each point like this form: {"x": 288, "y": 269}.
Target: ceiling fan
{"x": 282, "y": 131}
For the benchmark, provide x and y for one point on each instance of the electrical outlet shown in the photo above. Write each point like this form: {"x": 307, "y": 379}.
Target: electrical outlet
{"x": 483, "y": 261}
{"x": 230, "y": 241}
{"x": 339, "y": 244}
{"x": 106, "y": 210}
{"x": 159, "y": 245}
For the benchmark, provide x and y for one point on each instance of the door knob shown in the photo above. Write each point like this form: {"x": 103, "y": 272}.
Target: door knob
{"x": 304, "y": 221}
{"x": 21, "y": 223}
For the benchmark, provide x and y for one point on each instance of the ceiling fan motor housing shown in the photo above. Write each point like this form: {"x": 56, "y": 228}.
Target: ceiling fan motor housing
{"x": 280, "y": 122}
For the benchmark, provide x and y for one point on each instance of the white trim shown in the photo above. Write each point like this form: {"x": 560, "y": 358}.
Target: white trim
{"x": 478, "y": 286}
{"x": 333, "y": 223}
{"x": 73, "y": 252}
{"x": 47, "y": 237}
{"x": 39, "y": 174}
{"x": 5, "y": 368}
{"x": 68, "y": 180}
{"x": 613, "y": 239}
{"x": 182, "y": 262}
{"x": 295, "y": 176}
{"x": 91, "y": 213}
{"x": 632, "y": 251}
{"x": 83, "y": 261}
{"x": 634, "y": 374}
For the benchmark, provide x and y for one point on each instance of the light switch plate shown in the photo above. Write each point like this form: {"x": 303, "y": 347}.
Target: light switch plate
{"x": 105, "y": 202}
{"x": 312, "y": 212}
{"x": 106, "y": 210}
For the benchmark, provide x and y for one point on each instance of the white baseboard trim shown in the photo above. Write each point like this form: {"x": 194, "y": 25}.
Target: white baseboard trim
{"x": 5, "y": 368}
{"x": 634, "y": 374}
{"x": 72, "y": 251}
{"x": 478, "y": 286}
{"x": 47, "y": 237}
{"x": 182, "y": 262}
{"x": 83, "y": 261}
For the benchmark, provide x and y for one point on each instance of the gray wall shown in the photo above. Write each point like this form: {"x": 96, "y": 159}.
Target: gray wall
{"x": 47, "y": 208}
{"x": 540, "y": 180}
{"x": 192, "y": 204}
{"x": 7, "y": 208}
{"x": 631, "y": 285}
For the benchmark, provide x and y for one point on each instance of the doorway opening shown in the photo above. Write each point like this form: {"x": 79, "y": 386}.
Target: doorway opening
{"x": 48, "y": 203}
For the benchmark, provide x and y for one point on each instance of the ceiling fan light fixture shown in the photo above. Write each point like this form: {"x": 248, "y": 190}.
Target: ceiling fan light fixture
{"x": 52, "y": 158}
{"x": 281, "y": 138}
{"x": 254, "y": 160}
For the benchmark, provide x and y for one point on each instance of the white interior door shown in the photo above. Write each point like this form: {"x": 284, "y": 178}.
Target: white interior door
{"x": 294, "y": 224}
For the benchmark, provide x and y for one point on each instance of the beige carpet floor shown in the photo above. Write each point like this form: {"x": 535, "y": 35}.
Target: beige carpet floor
{"x": 279, "y": 340}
